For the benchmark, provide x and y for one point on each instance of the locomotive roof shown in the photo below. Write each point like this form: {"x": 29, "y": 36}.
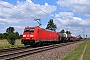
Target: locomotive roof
{"x": 39, "y": 27}
{"x": 31, "y": 26}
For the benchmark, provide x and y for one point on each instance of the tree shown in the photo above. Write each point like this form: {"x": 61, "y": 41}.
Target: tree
{"x": 17, "y": 35}
{"x": 11, "y": 35}
{"x": 10, "y": 29}
{"x": 51, "y": 25}
{"x": 4, "y": 35}
{"x": 1, "y": 36}
{"x": 62, "y": 31}
{"x": 11, "y": 38}
{"x": 20, "y": 36}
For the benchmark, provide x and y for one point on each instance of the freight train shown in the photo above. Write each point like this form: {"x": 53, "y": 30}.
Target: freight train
{"x": 35, "y": 35}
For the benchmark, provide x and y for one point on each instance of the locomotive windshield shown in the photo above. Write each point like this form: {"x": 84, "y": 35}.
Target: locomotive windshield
{"x": 29, "y": 30}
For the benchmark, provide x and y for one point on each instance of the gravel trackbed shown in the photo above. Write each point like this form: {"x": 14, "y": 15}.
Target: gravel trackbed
{"x": 53, "y": 54}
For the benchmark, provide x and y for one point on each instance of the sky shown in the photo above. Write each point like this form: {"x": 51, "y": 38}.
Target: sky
{"x": 71, "y": 15}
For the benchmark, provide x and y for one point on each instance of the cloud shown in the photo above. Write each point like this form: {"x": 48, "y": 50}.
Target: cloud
{"x": 68, "y": 21}
{"x": 5, "y": 21}
{"x": 80, "y": 6}
{"x": 19, "y": 29}
{"x": 73, "y": 22}
{"x": 24, "y": 12}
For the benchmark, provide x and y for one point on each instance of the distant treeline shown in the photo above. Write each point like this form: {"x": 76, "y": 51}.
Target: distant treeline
{"x": 10, "y": 30}
{"x": 4, "y": 35}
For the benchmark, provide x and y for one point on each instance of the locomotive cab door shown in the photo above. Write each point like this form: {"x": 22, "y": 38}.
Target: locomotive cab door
{"x": 39, "y": 35}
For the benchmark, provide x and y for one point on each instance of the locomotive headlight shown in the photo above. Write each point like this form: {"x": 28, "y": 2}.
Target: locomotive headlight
{"x": 24, "y": 35}
{"x": 31, "y": 35}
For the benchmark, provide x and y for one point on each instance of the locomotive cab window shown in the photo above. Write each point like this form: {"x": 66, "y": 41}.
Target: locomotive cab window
{"x": 29, "y": 30}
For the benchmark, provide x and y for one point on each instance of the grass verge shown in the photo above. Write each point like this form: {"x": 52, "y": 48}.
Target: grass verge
{"x": 4, "y": 44}
{"x": 87, "y": 52}
{"x": 76, "y": 53}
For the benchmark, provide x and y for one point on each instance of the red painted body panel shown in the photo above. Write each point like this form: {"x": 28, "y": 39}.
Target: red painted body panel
{"x": 39, "y": 34}
{"x": 47, "y": 35}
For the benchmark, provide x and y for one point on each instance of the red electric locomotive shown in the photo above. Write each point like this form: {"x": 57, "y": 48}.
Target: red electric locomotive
{"x": 33, "y": 35}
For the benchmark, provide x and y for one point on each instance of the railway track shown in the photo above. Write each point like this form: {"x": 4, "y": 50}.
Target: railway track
{"x": 24, "y": 52}
{"x": 11, "y": 49}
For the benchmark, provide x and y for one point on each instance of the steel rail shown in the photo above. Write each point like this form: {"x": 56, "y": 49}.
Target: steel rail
{"x": 20, "y": 54}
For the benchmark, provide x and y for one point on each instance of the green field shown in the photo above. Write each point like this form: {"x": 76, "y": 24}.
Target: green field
{"x": 76, "y": 53}
{"x": 87, "y": 52}
{"x": 4, "y": 44}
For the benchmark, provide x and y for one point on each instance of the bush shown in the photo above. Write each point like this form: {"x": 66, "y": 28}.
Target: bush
{"x": 11, "y": 38}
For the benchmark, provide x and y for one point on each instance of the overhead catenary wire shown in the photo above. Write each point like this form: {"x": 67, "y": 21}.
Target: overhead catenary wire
{"x": 38, "y": 8}
{"x": 35, "y": 7}
{"x": 20, "y": 12}
{"x": 16, "y": 10}
{"x": 10, "y": 8}
{"x": 46, "y": 7}
{"x": 24, "y": 12}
